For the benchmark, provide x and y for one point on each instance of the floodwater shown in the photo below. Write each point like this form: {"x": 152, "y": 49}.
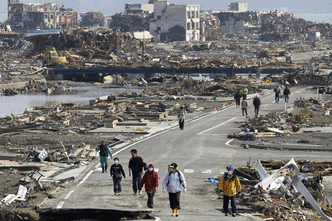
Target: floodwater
{"x": 79, "y": 95}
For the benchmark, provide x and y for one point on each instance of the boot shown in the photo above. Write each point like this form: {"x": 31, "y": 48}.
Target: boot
{"x": 106, "y": 169}
{"x": 102, "y": 169}
{"x": 173, "y": 212}
{"x": 177, "y": 212}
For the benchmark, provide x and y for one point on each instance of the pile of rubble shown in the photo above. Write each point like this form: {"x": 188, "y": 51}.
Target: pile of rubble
{"x": 276, "y": 190}
{"x": 272, "y": 125}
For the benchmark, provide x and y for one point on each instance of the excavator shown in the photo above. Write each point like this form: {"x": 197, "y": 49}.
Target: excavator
{"x": 52, "y": 57}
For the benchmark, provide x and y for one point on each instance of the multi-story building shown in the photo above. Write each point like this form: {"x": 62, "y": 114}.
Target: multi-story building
{"x": 175, "y": 22}
{"x": 29, "y": 16}
{"x": 238, "y": 6}
{"x": 139, "y": 8}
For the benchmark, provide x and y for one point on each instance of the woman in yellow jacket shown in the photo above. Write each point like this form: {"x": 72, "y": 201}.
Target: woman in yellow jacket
{"x": 230, "y": 185}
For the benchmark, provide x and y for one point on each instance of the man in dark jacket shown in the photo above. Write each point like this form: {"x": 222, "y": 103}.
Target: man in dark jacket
{"x": 237, "y": 98}
{"x": 150, "y": 180}
{"x": 286, "y": 94}
{"x": 117, "y": 173}
{"x": 256, "y": 103}
{"x": 104, "y": 150}
{"x": 136, "y": 167}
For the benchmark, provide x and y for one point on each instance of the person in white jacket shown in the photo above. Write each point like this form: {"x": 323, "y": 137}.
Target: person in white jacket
{"x": 174, "y": 182}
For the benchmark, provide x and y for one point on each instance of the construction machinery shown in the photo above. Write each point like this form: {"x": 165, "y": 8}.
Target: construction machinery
{"x": 52, "y": 57}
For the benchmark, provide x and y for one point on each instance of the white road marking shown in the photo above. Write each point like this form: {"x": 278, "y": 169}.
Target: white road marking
{"x": 264, "y": 105}
{"x": 216, "y": 126}
{"x": 227, "y": 143}
{"x": 207, "y": 171}
{"x": 68, "y": 194}
{"x": 188, "y": 170}
{"x": 85, "y": 178}
{"x": 60, "y": 205}
{"x": 215, "y": 112}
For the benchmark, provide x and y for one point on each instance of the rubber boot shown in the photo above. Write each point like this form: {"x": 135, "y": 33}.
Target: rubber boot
{"x": 173, "y": 212}
{"x": 105, "y": 168}
{"x": 102, "y": 169}
{"x": 177, "y": 212}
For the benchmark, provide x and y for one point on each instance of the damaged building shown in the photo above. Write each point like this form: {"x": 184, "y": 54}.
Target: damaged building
{"x": 94, "y": 19}
{"x": 175, "y": 22}
{"x": 238, "y": 19}
{"x": 30, "y": 16}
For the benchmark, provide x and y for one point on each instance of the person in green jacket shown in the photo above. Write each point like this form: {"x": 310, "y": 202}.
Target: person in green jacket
{"x": 230, "y": 185}
{"x": 104, "y": 150}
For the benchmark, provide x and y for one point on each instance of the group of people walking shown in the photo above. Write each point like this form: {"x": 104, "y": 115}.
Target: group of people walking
{"x": 257, "y": 101}
{"x": 245, "y": 105}
{"x": 174, "y": 182}
{"x": 277, "y": 92}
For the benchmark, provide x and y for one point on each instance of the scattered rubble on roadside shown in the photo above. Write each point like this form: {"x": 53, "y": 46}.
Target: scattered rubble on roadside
{"x": 277, "y": 190}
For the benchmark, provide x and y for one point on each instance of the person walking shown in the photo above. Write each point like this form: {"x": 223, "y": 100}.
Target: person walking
{"x": 256, "y": 102}
{"x": 237, "y": 98}
{"x": 286, "y": 94}
{"x": 104, "y": 150}
{"x": 276, "y": 94}
{"x": 181, "y": 115}
{"x": 117, "y": 173}
{"x": 230, "y": 185}
{"x": 173, "y": 183}
{"x": 150, "y": 180}
{"x": 136, "y": 168}
{"x": 244, "y": 106}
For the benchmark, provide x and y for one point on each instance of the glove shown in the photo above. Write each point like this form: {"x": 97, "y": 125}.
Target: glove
{"x": 164, "y": 191}
{"x": 184, "y": 190}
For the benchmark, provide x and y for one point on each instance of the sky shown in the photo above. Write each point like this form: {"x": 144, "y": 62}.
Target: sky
{"x": 110, "y": 7}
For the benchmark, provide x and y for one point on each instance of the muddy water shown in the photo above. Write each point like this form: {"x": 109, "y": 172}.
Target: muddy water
{"x": 79, "y": 95}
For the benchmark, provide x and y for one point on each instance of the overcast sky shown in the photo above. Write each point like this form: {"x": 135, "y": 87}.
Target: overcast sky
{"x": 110, "y": 7}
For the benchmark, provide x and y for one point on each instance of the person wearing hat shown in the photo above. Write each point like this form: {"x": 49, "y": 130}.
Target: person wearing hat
{"x": 230, "y": 185}
{"x": 173, "y": 183}
{"x": 104, "y": 150}
{"x": 150, "y": 180}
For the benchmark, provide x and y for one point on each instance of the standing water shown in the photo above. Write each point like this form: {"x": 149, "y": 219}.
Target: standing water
{"x": 79, "y": 95}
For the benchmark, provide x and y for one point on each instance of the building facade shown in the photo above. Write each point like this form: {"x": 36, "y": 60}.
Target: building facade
{"x": 30, "y": 16}
{"x": 238, "y": 6}
{"x": 139, "y": 8}
{"x": 175, "y": 22}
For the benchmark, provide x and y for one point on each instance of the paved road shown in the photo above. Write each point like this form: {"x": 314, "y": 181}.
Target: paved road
{"x": 202, "y": 150}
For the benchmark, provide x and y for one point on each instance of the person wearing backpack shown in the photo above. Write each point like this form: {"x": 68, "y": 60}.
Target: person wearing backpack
{"x": 230, "y": 185}
{"x": 173, "y": 183}
{"x": 277, "y": 93}
{"x": 150, "y": 180}
{"x": 117, "y": 173}
{"x": 256, "y": 103}
{"x": 136, "y": 167}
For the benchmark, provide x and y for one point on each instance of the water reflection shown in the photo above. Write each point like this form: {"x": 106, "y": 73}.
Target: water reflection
{"x": 79, "y": 95}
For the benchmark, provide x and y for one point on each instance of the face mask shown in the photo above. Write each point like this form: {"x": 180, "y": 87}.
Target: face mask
{"x": 150, "y": 169}
{"x": 230, "y": 172}
{"x": 116, "y": 161}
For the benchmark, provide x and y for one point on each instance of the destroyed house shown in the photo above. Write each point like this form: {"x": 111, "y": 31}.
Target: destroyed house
{"x": 175, "y": 22}
{"x": 23, "y": 16}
